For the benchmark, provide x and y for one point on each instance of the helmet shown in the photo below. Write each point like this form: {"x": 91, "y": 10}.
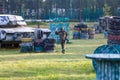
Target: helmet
{"x": 62, "y": 29}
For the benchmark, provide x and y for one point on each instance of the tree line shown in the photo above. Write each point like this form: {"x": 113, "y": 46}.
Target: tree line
{"x": 87, "y": 10}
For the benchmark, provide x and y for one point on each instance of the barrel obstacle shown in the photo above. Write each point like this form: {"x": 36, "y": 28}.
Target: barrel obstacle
{"x": 56, "y": 25}
{"x": 46, "y": 45}
{"x": 26, "y": 45}
{"x": 106, "y": 58}
{"x": 40, "y": 43}
{"x": 82, "y": 31}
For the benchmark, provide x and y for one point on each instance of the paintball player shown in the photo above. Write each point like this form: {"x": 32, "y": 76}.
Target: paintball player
{"x": 63, "y": 37}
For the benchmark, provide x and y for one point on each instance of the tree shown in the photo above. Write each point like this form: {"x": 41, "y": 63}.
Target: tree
{"x": 106, "y": 10}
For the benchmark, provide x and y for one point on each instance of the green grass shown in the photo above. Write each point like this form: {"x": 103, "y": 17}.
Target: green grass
{"x": 51, "y": 66}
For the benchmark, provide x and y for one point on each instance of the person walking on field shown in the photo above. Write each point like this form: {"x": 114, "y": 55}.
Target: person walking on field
{"x": 63, "y": 37}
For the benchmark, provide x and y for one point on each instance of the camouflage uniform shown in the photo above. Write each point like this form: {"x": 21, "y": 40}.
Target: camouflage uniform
{"x": 63, "y": 37}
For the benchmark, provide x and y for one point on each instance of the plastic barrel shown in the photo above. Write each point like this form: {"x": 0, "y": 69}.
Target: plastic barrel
{"x": 26, "y": 46}
{"x": 91, "y": 33}
{"x": 76, "y": 35}
{"x": 38, "y": 48}
{"x": 27, "y": 39}
{"x": 91, "y": 36}
{"x": 84, "y": 36}
{"x": 84, "y": 30}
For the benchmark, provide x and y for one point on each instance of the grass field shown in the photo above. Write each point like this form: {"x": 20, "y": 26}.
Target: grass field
{"x": 51, "y": 66}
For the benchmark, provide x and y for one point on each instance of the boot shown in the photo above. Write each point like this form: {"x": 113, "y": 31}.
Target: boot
{"x": 63, "y": 51}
